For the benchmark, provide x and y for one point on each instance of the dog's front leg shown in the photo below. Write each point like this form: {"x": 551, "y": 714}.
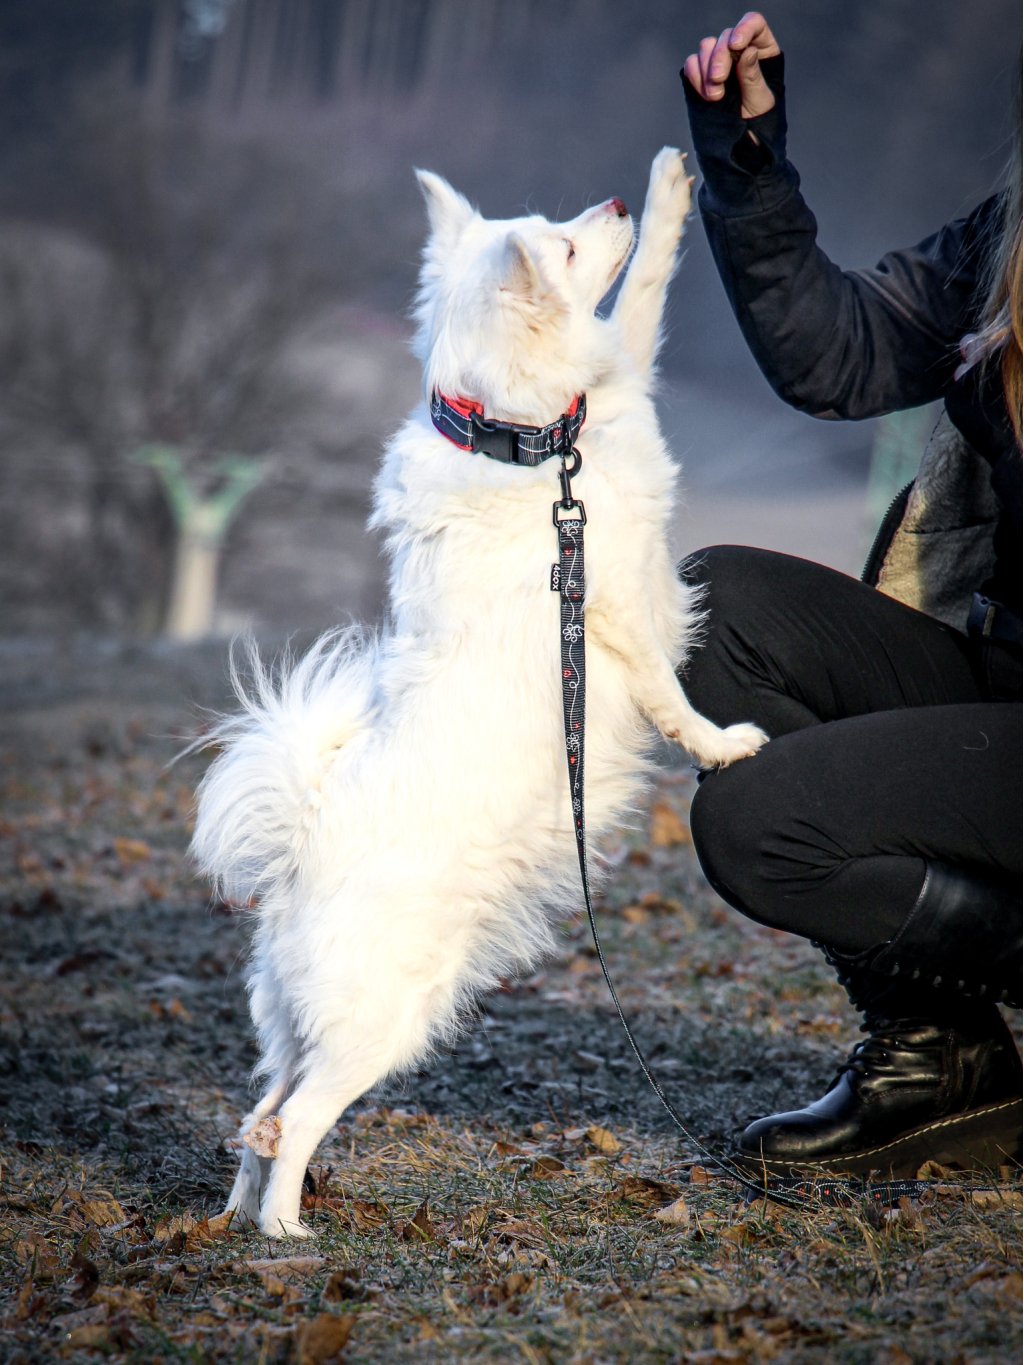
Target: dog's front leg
{"x": 641, "y": 303}
{"x": 656, "y": 690}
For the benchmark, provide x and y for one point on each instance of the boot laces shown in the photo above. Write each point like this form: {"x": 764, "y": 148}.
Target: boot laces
{"x": 866, "y": 1055}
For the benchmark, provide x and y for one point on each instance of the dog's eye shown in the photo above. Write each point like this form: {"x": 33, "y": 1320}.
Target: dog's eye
{"x": 571, "y": 249}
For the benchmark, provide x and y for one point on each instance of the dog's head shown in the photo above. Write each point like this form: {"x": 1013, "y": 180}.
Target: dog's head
{"x": 506, "y": 310}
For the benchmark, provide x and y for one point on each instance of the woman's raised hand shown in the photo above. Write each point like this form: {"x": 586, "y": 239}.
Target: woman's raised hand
{"x": 742, "y": 47}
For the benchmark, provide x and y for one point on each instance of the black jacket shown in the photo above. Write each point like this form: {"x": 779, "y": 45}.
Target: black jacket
{"x": 851, "y": 344}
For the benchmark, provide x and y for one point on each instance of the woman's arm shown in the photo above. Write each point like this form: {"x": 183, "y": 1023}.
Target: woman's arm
{"x": 830, "y": 342}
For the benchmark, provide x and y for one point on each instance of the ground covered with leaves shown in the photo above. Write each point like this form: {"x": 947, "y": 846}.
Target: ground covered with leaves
{"x": 523, "y": 1198}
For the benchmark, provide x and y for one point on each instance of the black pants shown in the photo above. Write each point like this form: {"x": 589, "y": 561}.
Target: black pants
{"x": 892, "y": 742}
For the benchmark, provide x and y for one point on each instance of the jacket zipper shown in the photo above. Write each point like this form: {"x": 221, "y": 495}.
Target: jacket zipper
{"x": 887, "y": 528}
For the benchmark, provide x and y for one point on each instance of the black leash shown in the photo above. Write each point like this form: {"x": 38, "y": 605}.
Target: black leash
{"x": 569, "y": 581}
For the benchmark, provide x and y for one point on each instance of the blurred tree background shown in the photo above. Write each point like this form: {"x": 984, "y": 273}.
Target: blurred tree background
{"x": 209, "y": 231}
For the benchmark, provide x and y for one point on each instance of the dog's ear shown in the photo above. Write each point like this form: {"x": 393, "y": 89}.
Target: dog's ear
{"x": 447, "y": 210}
{"x": 519, "y": 273}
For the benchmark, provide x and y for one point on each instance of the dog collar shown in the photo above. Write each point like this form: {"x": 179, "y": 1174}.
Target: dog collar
{"x": 462, "y": 422}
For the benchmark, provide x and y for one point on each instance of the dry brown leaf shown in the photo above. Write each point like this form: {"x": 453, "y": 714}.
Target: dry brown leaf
{"x": 419, "y": 1228}
{"x": 169, "y": 1228}
{"x": 208, "y": 1230}
{"x": 28, "y": 1304}
{"x": 474, "y": 1221}
{"x": 38, "y": 1255}
{"x": 221, "y": 1224}
{"x": 907, "y": 1215}
{"x": 521, "y": 1230}
{"x": 603, "y": 1140}
{"x": 283, "y": 1279}
{"x": 322, "y": 1339}
{"x": 639, "y": 1190}
{"x": 284, "y": 1268}
{"x": 86, "y": 1273}
{"x": 668, "y": 829}
{"x": 427, "y": 1330}
{"x": 132, "y": 850}
{"x": 503, "y": 1149}
{"x": 996, "y": 1199}
{"x": 547, "y": 1168}
{"x": 932, "y": 1170}
{"x": 366, "y": 1214}
{"x": 119, "y": 1298}
{"x": 343, "y": 1286}
{"x": 493, "y": 1292}
{"x": 100, "y": 1209}
{"x": 737, "y": 1233}
{"x": 676, "y": 1213}
{"x": 91, "y": 1336}
{"x": 264, "y": 1137}
{"x": 659, "y": 904}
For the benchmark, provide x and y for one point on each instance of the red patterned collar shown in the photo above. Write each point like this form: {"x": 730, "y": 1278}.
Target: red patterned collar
{"x": 461, "y": 420}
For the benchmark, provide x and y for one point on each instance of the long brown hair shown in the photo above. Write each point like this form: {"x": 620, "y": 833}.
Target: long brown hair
{"x": 998, "y": 338}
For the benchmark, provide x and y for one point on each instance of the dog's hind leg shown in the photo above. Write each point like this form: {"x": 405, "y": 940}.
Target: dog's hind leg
{"x": 254, "y": 1170}
{"x": 328, "y": 1086}
{"x": 280, "y": 1056}
{"x": 641, "y": 302}
{"x": 378, "y": 1037}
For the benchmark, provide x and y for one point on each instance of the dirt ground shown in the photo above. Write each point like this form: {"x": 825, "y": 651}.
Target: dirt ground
{"x": 524, "y": 1197}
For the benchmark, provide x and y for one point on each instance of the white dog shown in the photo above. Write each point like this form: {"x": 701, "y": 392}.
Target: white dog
{"x": 397, "y": 806}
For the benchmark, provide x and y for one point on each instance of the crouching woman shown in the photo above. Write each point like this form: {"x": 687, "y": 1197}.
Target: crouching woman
{"x": 883, "y": 821}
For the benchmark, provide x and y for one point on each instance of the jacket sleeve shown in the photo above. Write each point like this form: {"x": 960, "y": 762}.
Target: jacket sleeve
{"x": 831, "y": 343}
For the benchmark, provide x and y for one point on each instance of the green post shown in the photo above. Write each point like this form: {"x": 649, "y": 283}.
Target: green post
{"x": 201, "y": 525}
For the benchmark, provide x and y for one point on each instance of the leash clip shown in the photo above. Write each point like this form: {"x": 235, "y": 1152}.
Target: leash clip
{"x": 568, "y": 503}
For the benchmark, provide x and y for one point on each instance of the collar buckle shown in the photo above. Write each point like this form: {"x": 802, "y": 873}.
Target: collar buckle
{"x": 499, "y": 440}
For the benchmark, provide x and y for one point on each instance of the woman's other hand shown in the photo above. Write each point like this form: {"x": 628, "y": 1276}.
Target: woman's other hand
{"x": 742, "y": 46}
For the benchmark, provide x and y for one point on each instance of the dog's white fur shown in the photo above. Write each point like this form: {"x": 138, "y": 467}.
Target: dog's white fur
{"x": 397, "y": 805}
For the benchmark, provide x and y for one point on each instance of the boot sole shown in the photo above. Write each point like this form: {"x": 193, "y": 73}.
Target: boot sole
{"x": 980, "y": 1139}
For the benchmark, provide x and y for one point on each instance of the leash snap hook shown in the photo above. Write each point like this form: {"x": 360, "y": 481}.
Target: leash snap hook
{"x": 566, "y": 474}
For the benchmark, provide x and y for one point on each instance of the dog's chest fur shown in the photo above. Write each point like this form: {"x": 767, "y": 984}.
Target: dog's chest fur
{"x": 475, "y": 623}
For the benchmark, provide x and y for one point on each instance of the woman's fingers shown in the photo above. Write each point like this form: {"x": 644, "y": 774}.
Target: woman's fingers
{"x": 752, "y": 31}
{"x": 691, "y": 70}
{"x": 721, "y": 60}
{"x": 743, "y": 46}
{"x": 704, "y": 52}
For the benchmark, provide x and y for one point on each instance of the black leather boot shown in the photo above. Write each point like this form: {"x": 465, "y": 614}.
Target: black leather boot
{"x": 938, "y": 1076}
{"x": 912, "y": 1091}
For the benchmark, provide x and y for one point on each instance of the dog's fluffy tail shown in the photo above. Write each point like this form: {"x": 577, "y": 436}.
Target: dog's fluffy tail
{"x": 260, "y": 796}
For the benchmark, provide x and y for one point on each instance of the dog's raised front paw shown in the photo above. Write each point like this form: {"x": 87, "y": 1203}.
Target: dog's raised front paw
{"x": 668, "y": 193}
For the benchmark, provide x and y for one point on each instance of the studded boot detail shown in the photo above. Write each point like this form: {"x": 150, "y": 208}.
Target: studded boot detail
{"x": 963, "y": 934}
